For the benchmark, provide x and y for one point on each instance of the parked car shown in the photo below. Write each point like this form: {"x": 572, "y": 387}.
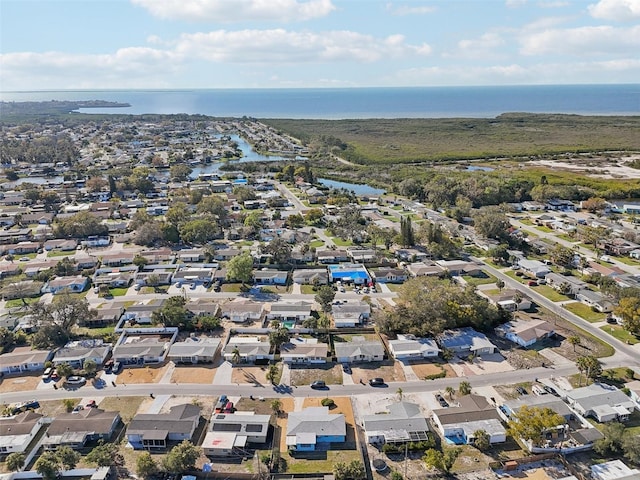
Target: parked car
{"x": 47, "y": 373}
{"x": 532, "y": 283}
{"x": 519, "y": 273}
{"x": 550, "y": 390}
{"x": 92, "y": 404}
{"x": 346, "y": 368}
{"x": 108, "y": 366}
{"x": 318, "y": 385}
{"x": 77, "y": 408}
{"x": 521, "y": 390}
{"x": 443, "y": 403}
{"x": 377, "y": 382}
{"x": 75, "y": 380}
{"x": 117, "y": 366}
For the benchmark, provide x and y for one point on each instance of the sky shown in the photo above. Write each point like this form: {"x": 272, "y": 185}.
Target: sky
{"x": 183, "y": 44}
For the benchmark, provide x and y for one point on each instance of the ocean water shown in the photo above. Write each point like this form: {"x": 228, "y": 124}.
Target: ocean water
{"x": 419, "y": 102}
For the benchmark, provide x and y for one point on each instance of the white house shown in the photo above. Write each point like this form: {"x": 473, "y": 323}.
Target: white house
{"x": 459, "y": 423}
{"x": 407, "y": 347}
{"x": 359, "y": 350}
{"x": 603, "y": 402}
{"x": 464, "y": 341}
{"x": 18, "y": 431}
{"x": 304, "y": 351}
{"x": 525, "y": 332}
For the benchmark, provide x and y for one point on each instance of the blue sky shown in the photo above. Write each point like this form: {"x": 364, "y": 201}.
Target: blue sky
{"x": 85, "y": 44}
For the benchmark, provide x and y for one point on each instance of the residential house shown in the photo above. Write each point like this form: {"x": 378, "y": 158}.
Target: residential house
{"x": 117, "y": 259}
{"x": 332, "y": 256}
{"x": 231, "y": 434}
{"x": 634, "y": 391}
{"x": 61, "y": 245}
{"x": 389, "y": 275}
{"x": 460, "y": 267}
{"x": 224, "y": 254}
{"x": 242, "y": 310}
{"x": 350, "y": 314}
{"x": 143, "y": 347}
{"x": 560, "y": 205}
{"x": 18, "y": 431}
{"x": 77, "y": 429}
{"x": 311, "y": 276}
{"x": 561, "y": 282}
{"x": 245, "y": 349}
{"x": 141, "y": 313}
{"x": 295, "y": 312}
{"x": 403, "y": 423}
{"x": 57, "y": 285}
{"x": 23, "y": 359}
{"x": 201, "y": 307}
{"x": 154, "y": 431}
{"x": 359, "y": 350}
{"x": 509, "y": 300}
{"x": 411, "y": 255}
{"x": 23, "y": 248}
{"x": 603, "y": 402}
{"x": 408, "y": 347}
{"x": 595, "y": 300}
{"x": 473, "y": 413}
{"x": 534, "y": 268}
{"x": 115, "y": 277}
{"x": 421, "y": 269}
{"x": 349, "y": 273}
{"x": 191, "y": 255}
{"x": 78, "y": 352}
{"x": 15, "y": 235}
{"x": 194, "y": 350}
{"x": 107, "y": 314}
{"x": 525, "y": 332}
{"x": 361, "y": 255}
{"x": 304, "y": 351}
{"x": 465, "y": 341}
{"x": 197, "y": 274}
{"x": 269, "y": 276}
{"x": 314, "y": 428}
{"x": 159, "y": 255}
{"x": 617, "y": 246}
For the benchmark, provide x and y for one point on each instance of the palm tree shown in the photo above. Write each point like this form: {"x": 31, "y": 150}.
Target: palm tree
{"x": 272, "y": 373}
{"x": 276, "y": 405}
{"x": 574, "y": 340}
{"x": 235, "y": 355}
{"x": 450, "y": 391}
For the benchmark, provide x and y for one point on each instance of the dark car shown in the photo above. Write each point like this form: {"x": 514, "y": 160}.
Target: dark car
{"x": 443, "y": 403}
{"x": 550, "y": 390}
{"x": 346, "y": 368}
{"x": 376, "y": 382}
{"x": 318, "y": 384}
{"x": 521, "y": 391}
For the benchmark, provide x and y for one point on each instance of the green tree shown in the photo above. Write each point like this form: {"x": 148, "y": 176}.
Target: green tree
{"x": 68, "y": 457}
{"x": 64, "y": 370}
{"x": 278, "y": 337}
{"x": 173, "y": 314}
{"x": 531, "y": 423}
{"x": 180, "y": 172}
{"x": 199, "y": 231}
{"x": 146, "y": 466}
{"x": 90, "y": 367}
{"x": 562, "y": 256}
{"x": 15, "y": 461}
{"x": 178, "y": 214}
{"x": 353, "y": 470}
{"x": 574, "y": 340}
{"x": 213, "y": 205}
{"x": 276, "y": 406}
{"x": 491, "y": 222}
{"x": 612, "y": 443}
{"x": 500, "y": 284}
{"x": 272, "y": 373}
{"x": 481, "y": 441}
{"x": 235, "y": 356}
{"x": 56, "y": 320}
{"x": 629, "y": 310}
{"x": 464, "y": 388}
{"x": 240, "y": 268}
{"x": 103, "y": 454}
{"x": 80, "y": 225}
{"x": 450, "y": 391}
{"x": 181, "y": 458}
{"x": 407, "y": 237}
{"x": 442, "y": 461}
{"x": 140, "y": 261}
{"x": 631, "y": 448}
{"x": 590, "y": 365}
{"x": 279, "y": 249}
{"x": 48, "y": 465}
{"x": 325, "y": 296}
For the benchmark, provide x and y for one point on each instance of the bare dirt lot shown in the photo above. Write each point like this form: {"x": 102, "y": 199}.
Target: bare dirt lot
{"x": 389, "y": 371}
{"x": 250, "y": 374}
{"x": 330, "y": 373}
{"x": 142, "y": 375}
{"x": 423, "y": 369}
{"x": 19, "y": 384}
{"x": 191, "y": 374}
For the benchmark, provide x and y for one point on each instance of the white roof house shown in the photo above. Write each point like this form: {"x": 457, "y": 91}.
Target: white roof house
{"x": 408, "y": 346}
{"x": 602, "y": 402}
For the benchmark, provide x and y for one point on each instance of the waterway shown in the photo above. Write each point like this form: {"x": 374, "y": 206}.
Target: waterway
{"x": 356, "y": 188}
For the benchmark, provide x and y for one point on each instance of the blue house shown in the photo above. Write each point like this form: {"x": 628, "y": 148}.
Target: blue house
{"x": 315, "y": 429}
{"x": 349, "y": 273}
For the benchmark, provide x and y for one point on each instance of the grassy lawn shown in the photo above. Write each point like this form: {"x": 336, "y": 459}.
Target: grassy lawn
{"x": 316, "y": 244}
{"x": 127, "y": 408}
{"x": 566, "y": 237}
{"x": 17, "y": 302}
{"x": 330, "y": 373}
{"x": 97, "y": 332}
{"x": 544, "y": 229}
{"x": 628, "y": 260}
{"x": 325, "y": 465}
{"x": 118, "y": 292}
{"x": 550, "y": 293}
{"x": 484, "y": 279}
{"x": 342, "y": 243}
{"x": 513, "y": 275}
{"x": 307, "y": 289}
{"x": 59, "y": 253}
{"x": 585, "y": 312}
{"x": 526, "y": 221}
{"x": 620, "y": 333}
{"x": 230, "y": 287}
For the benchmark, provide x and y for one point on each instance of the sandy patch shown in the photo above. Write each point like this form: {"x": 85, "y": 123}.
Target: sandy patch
{"x": 142, "y": 375}
{"x": 183, "y": 374}
{"x": 390, "y": 373}
{"x": 424, "y": 369}
{"x": 20, "y": 384}
{"x": 250, "y": 374}
{"x": 596, "y": 167}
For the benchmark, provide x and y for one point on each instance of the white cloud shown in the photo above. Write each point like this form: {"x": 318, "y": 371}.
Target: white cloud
{"x": 485, "y": 42}
{"x": 553, "y": 4}
{"x": 515, "y": 3}
{"x": 282, "y": 46}
{"x": 618, "y": 10}
{"x": 227, "y": 11}
{"x": 126, "y": 68}
{"x": 402, "y": 10}
{"x": 582, "y": 41}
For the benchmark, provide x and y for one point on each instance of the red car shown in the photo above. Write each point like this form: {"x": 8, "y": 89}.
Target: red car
{"x": 532, "y": 283}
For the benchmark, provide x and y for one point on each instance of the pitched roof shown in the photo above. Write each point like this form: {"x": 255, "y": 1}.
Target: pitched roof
{"x": 316, "y": 420}
{"x": 179, "y": 419}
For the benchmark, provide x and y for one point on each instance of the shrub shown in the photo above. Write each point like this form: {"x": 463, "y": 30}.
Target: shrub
{"x": 327, "y": 402}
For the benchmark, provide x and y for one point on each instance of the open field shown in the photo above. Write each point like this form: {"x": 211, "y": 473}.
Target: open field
{"x": 250, "y": 374}
{"x": 193, "y": 374}
{"x": 584, "y": 311}
{"x": 330, "y": 373}
{"x": 391, "y": 372}
{"x": 423, "y": 369}
{"x": 391, "y": 141}
{"x": 21, "y": 383}
{"x": 550, "y": 293}
{"x": 142, "y": 375}
{"x": 620, "y": 333}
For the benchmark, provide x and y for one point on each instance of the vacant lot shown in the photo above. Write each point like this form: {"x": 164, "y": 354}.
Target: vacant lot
{"x": 20, "y": 384}
{"x": 389, "y": 370}
{"x": 621, "y": 334}
{"x": 425, "y": 369}
{"x": 53, "y": 408}
{"x": 142, "y": 375}
{"x": 201, "y": 374}
{"x": 550, "y": 293}
{"x": 330, "y": 373}
{"x": 250, "y": 374}
{"x": 127, "y": 406}
{"x": 584, "y": 311}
